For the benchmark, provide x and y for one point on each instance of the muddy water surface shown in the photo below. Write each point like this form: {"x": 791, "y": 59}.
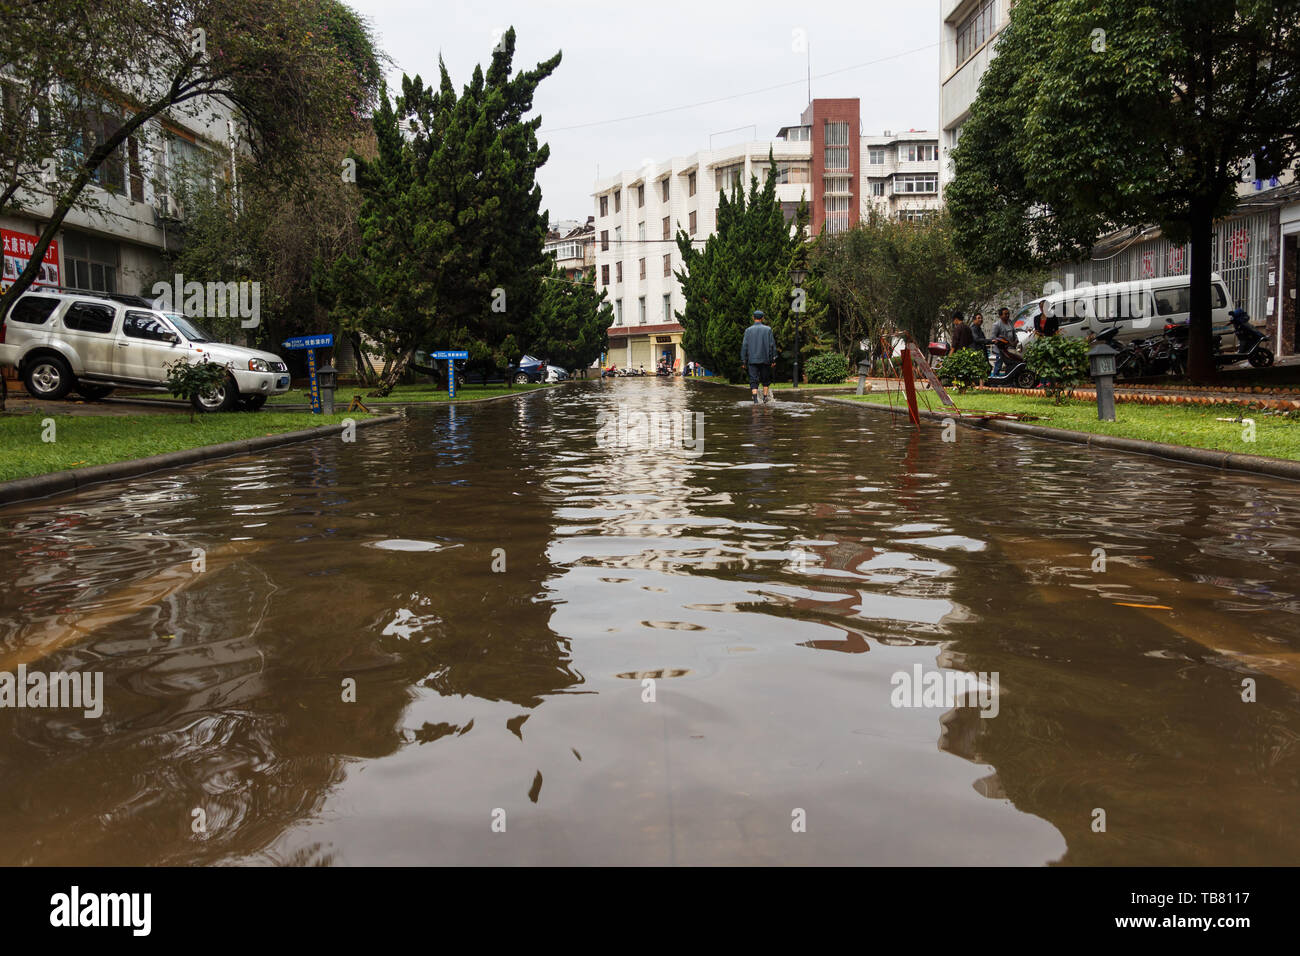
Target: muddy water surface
{"x": 621, "y": 654}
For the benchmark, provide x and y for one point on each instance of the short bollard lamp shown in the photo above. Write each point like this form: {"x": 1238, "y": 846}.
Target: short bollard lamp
{"x": 327, "y": 378}
{"x": 864, "y": 369}
{"x": 1101, "y": 363}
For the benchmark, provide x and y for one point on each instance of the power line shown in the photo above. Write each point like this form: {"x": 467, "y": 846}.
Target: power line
{"x": 734, "y": 96}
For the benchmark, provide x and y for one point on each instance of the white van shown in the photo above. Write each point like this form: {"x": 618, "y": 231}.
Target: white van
{"x": 1140, "y": 309}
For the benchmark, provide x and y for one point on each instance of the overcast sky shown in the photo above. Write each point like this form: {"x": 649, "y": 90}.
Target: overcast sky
{"x": 625, "y": 60}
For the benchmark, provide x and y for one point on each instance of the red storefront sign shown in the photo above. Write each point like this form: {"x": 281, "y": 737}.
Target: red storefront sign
{"x": 1148, "y": 265}
{"x": 18, "y": 248}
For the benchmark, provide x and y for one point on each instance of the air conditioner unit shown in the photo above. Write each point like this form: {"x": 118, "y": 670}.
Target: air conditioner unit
{"x": 169, "y": 207}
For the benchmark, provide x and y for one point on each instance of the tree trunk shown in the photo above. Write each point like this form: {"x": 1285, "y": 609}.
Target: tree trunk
{"x": 393, "y": 370}
{"x": 365, "y": 371}
{"x": 1200, "y": 353}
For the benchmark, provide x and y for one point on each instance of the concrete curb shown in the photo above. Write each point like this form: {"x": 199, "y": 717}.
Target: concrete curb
{"x": 1228, "y": 461}
{"x": 58, "y": 482}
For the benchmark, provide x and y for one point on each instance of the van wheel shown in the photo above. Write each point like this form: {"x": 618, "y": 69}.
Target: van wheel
{"x": 93, "y": 393}
{"x": 220, "y": 399}
{"x": 48, "y": 377}
{"x": 1261, "y": 358}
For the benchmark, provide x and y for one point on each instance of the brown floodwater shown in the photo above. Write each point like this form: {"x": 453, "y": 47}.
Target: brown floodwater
{"x": 518, "y": 633}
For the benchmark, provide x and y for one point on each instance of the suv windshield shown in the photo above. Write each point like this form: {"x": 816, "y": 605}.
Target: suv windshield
{"x": 188, "y": 328}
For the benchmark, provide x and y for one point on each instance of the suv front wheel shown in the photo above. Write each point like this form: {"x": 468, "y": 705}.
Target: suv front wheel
{"x": 48, "y": 377}
{"x": 220, "y": 399}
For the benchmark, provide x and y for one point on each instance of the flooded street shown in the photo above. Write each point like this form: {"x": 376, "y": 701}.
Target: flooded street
{"x": 486, "y": 618}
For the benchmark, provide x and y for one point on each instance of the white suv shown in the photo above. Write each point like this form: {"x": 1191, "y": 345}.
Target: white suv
{"x": 92, "y": 343}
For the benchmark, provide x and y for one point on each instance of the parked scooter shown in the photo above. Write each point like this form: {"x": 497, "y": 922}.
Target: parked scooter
{"x": 1015, "y": 373}
{"x": 1250, "y": 344}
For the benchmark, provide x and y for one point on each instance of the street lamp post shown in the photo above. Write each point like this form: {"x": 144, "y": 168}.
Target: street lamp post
{"x": 797, "y": 276}
{"x": 1101, "y": 365}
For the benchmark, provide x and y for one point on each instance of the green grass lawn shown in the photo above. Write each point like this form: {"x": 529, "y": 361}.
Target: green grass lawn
{"x": 84, "y": 440}
{"x": 404, "y": 393}
{"x": 1196, "y": 426}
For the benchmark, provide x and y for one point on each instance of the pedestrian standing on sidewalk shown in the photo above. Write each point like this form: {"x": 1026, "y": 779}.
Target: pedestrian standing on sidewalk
{"x": 758, "y": 355}
{"x": 961, "y": 333}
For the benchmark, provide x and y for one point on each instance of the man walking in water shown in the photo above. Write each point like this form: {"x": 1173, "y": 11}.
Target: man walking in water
{"x": 758, "y": 355}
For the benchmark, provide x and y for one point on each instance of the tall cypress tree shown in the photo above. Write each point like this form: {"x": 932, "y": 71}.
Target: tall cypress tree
{"x": 735, "y": 272}
{"x": 451, "y": 219}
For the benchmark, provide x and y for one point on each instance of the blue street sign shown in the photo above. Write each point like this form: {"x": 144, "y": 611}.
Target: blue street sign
{"x": 310, "y": 342}
{"x": 452, "y": 354}
{"x": 314, "y": 392}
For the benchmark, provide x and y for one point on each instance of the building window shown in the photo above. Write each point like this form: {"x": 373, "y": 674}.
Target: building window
{"x": 975, "y": 30}
{"x": 915, "y": 215}
{"x": 837, "y": 214}
{"x": 604, "y": 240}
{"x": 618, "y": 200}
{"x": 618, "y": 271}
{"x": 876, "y": 155}
{"x": 793, "y": 173}
{"x": 728, "y": 177}
{"x": 604, "y": 205}
{"x": 837, "y": 157}
{"x": 664, "y": 187}
{"x": 91, "y": 264}
{"x": 918, "y": 152}
{"x": 641, "y": 303}
{"x": 604, "y": 275}
{"x": 692, "y": 223}
{"x": 668, "y": 264}
{"x": 642, "y": 268}
{"x": 640, "y": 231}
{"x": 667, "y": 230}
{"x": 838, "y": 185}
{"x": 798, "y": 134}
{"x": 916, "y": 183}
{"x": 618, "y": 237}
{"x": 878, "y": 188}
{"x": 640, "y": 196}
{"x": 668, "y": 306}
{"x": 618, "y": 310}
{"x": 690, "y": 185}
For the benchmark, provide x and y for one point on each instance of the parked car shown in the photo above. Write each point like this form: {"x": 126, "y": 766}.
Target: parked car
{"x": 556, "y": 374}
{"x": 529, "y": 371}
{"x": 1139, "y": 309}
{"x": 91, "y": 344}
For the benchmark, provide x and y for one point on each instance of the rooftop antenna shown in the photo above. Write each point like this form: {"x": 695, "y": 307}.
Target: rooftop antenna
{"x": 809, "y": 58}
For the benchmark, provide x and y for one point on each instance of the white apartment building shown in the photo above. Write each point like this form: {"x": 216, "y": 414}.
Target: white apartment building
{"x": 900, "y": 174}
{"x": 638, "y": 214}
{"x": 117, "y": 248}
{"x": 968, "y": 32}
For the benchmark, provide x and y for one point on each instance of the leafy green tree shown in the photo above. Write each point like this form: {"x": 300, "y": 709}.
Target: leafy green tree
{"x": 742, "y": 267}
{"x": 570, "y": 325}
{"x": 286, "y": 69}
{"x": 451, "y": 224}
{"x": 1101, "y": 114}
{"x": 886, "y": 275}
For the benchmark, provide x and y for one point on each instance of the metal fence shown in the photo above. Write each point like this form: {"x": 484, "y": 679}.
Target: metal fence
{"x": 1239, "y": 256}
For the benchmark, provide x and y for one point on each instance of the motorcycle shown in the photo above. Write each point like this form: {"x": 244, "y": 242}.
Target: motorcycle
{"x": 1250, "y": 344}
{"x": 1015, "y": 373}
{"x": 1130, "y": 361}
